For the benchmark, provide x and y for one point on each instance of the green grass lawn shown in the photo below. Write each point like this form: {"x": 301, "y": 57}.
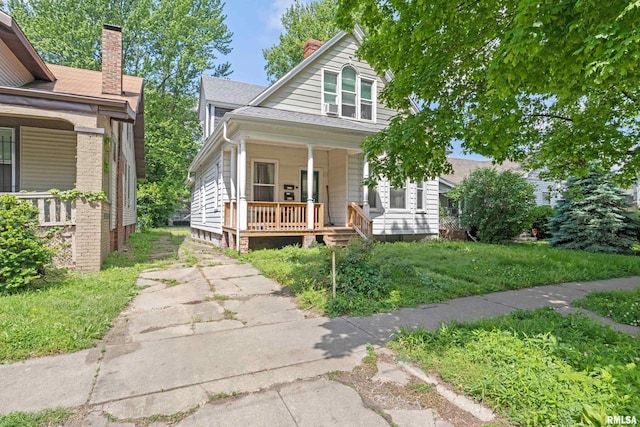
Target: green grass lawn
{"x": 417, "y": 273}
{"x": 69, "y": 311}
{"x": 621, "y": 306}
{"x": 535, "y": 368}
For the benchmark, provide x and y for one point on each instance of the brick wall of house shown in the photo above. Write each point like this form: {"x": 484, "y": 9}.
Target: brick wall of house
{"x": 90, "y": 238}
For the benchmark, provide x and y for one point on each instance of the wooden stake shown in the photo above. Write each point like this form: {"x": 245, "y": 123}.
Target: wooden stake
{"x": 333, "y": 271}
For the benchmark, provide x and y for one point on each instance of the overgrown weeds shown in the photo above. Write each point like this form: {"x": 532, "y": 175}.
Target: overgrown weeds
{"x": 536, "y": 368}
{"x": 621, "y": 306}
{"x": 66, "y": 311}
{"x": 382, "y": 277}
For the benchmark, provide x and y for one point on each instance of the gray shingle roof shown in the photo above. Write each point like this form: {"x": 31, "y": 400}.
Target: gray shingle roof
{"x": 306, "y": 118}
{"x": 225, "y": 91}
{"x": 462, "y": 168}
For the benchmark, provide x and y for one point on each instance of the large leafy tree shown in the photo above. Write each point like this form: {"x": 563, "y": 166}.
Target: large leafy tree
{"x": 301, "y": 22}
{"x": 592, "y": 216}
{"x": 496, "y": 206}
{"x": 556, "y": 83}
{"x": 169, "y": 44}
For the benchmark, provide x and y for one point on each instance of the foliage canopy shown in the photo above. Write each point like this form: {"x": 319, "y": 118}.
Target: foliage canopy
{"x": 170, "y": 44}
{"x": 301, "y": 22}
{"x": 556, "y": 83}
{"x": 495, "y": 205}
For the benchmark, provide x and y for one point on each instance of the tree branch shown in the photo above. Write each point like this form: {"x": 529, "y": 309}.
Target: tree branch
{"x": 551, "y": 116}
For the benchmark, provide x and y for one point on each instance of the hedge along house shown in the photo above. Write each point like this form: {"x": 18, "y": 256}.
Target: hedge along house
{"x": 67, "y": 128}
{"x": 283, "y": 163}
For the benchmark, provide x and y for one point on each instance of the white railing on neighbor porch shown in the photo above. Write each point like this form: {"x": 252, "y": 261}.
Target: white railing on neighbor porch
{"x": 51, "y": 210}
{"x": 276, "y": 216}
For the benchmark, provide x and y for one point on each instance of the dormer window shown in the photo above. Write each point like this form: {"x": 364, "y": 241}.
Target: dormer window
{"x": 347, "y": 94}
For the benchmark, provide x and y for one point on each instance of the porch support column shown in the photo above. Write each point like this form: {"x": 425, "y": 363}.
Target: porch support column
{"x": 365, "y": 187}
{"x": 242, "y": 184}
{"x": 92, "y": 218}
{"x": 310, "y": 207}
{"x": 233, "y": 178}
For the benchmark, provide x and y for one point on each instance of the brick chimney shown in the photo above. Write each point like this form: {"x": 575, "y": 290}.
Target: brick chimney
{"x": 311, "y": 46}
{"x": 111, "y": 60}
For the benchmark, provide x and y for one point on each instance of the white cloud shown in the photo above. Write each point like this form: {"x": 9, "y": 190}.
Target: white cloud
{"x": 275, "y": 12}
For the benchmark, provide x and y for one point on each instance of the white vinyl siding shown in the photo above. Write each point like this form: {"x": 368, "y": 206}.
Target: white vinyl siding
{"x": 354, "y": 178}
{"x": 543, "y": 190}
{"x": 207, "y": 196}
{"x": 12, "y": 72}
{"x": 407, "y": 221}
{"x": 47, "y": 159}
{"x": 337, "y": 182}
{"x": 304, "y": 93}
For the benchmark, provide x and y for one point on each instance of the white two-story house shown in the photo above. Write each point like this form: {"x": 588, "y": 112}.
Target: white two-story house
{"x": 283, "y": 164}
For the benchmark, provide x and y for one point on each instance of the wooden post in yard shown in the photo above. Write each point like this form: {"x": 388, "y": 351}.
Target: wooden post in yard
{"x": 333, "y": 271}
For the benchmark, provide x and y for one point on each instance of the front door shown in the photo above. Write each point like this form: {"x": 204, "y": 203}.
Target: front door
{"x": 303, "y": 185}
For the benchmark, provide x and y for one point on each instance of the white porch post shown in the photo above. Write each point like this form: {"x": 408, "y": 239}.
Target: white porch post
{"x": 242, "y": 185}
{"x": 233, "y": 179}
{"x": 310, "y": 207}
{"x": 365, "y": 188}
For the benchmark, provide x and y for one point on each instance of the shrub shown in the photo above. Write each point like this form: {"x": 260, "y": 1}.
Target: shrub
{"x": 540, "y": 217}
{"x": 591, "y": 216}
{"x": 495, "y": 205}
{"x": 22, "y": 254}
{"x": 359, "y": 283}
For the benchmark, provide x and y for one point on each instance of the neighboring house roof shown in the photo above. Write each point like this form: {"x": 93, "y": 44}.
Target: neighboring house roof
{"x": 303, "y": 118}
{"x": 72, "y": 89}
{"x": 76, "y": 81}
{"x": 462, "y": 168}
{"x": 17, "y": 42}
{"x": 229, "y": 92}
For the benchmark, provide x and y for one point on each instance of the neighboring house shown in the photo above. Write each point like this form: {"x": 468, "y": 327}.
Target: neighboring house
{"x": 283, "y": 163}
{"x": 66, "y": 128}
{"x": 546, "y": 192}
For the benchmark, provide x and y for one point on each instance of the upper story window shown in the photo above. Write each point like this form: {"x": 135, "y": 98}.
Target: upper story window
{"x": 347, "y": 94}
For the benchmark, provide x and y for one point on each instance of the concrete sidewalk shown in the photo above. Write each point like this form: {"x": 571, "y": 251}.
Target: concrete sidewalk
{"x": 220, "y": 328}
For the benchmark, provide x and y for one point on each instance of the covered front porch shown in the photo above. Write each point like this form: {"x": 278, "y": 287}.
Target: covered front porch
{"x": 42, "y": 152}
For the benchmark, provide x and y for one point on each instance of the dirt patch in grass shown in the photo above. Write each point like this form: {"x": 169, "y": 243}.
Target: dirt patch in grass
{"x": 414, "y": 396}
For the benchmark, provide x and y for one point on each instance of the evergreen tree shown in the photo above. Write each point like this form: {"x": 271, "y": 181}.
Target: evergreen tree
{"x": 591, "y": 216}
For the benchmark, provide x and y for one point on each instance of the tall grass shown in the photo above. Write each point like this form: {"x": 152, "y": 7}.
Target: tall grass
{"x": 66, "y": 311}
{"x": 417, "y": 273}
{"x": 535, "y": 368}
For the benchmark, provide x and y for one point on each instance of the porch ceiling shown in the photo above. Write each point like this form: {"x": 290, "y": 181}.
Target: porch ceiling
{"x": 16, "y": 121}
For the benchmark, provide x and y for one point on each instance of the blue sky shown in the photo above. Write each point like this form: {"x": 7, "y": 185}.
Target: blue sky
{"x": 256, "y": 25}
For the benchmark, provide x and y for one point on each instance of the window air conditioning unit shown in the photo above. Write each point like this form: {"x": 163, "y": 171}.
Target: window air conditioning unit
{"x": 331, "y": 109}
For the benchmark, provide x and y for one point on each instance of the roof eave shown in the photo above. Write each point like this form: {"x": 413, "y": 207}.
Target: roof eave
{"x": 295, "y": 70}
{"x": 111, "y": 107}
{"x": 22, "y": 48}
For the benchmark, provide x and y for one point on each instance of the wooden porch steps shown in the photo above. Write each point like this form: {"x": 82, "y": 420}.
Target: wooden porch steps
{"x": 339, "y": 236}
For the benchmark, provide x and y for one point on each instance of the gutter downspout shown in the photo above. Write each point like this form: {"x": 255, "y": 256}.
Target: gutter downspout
{"x": 230, "y": 141}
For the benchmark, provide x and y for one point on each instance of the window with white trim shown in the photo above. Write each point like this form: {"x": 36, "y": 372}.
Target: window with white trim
{"x": 420, "y": 196}
{"x": 353, "y": 94}
{"x": 372, "y": 198}
{"x": 7, "y": 160}
{"x": 264, "y": 181}
{"x": 398, "y": 197}
{"x": 330, "y": 87}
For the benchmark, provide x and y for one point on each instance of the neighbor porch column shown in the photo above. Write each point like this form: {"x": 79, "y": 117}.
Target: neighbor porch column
{"x": 365, "y": 187}
{"x": 310, "y": 207}
{"x": 233, "y": 178}
{"x": 242, "y": 184}
{"x": 92, "y": 224}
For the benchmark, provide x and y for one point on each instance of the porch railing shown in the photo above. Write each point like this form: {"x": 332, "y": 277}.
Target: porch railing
{"x": 360, "y": 221}
{"x": 51, "y": 210}
{"x": 275, "y": 216}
